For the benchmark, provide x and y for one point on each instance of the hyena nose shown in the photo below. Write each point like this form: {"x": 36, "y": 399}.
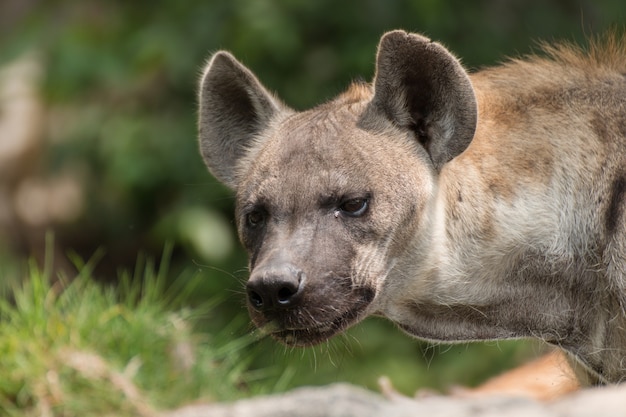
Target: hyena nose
{"x": 275, "y": 287}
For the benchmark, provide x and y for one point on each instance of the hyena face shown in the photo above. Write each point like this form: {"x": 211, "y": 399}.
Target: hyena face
{"x": 322, "y": 231}
{"x": 329, "y": 199}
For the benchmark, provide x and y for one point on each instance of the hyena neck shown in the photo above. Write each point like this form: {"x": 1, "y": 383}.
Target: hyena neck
{"x": 598, "y": 351}
{"x": 476, "y": 280}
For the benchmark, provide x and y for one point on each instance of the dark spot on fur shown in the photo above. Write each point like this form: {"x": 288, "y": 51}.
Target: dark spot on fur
{"x": 453, "y": 211}
{"x": 598, "y": 124}
{"x": 616, "y": 204}
{"x": 621, "y": 127}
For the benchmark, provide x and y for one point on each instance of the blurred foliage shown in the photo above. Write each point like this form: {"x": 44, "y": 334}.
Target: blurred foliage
{"x": 119, "y": 89}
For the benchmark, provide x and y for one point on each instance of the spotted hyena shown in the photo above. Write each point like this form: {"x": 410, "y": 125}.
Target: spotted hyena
{"x": 460, "y": 206}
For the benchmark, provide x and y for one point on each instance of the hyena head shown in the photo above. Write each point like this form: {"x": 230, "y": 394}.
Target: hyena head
{"x": 328, "y": 200}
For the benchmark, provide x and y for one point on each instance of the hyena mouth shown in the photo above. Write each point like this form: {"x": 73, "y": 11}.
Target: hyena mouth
{"x": 309, "y": 334}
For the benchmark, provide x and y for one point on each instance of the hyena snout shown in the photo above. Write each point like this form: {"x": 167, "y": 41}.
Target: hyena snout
{"x": 275, "y": 287}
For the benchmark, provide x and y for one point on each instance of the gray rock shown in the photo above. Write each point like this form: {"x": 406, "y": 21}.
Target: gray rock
{"x": 343, "y": 400}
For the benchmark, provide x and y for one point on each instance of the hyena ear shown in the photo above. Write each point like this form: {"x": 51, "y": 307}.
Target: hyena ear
{"x": 421, "y": 86}
{"x": 234, "y": 109}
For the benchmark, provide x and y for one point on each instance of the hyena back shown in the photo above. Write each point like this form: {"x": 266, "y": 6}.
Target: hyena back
{"x": 461, "y": 207}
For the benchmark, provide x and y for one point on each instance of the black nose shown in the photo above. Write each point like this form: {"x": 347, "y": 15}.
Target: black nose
{"x": 277, "y": 286}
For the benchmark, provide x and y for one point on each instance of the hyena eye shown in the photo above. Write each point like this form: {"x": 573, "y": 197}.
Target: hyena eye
{"x": 354, "y": 207}
{"x": 255, "y": 218}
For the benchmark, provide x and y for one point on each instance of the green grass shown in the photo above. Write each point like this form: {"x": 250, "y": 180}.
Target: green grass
{"x": 73, "y": 347}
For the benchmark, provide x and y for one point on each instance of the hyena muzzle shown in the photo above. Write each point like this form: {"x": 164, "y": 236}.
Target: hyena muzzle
{"x": 461, "y": 207}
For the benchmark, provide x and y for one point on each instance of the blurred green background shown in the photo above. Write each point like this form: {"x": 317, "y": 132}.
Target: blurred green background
{"x": 98, "y": 142}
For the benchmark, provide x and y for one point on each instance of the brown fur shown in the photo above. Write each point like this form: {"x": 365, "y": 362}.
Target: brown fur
{"x": 546, "y": 378}
{"x": 462, "y": 207}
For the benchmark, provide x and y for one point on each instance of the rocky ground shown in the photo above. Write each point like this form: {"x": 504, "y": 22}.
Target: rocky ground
{"x": 342, "y": 400}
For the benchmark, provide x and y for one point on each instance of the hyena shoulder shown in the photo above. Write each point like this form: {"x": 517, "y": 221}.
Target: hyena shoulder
{"x": 554, "y": 119}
